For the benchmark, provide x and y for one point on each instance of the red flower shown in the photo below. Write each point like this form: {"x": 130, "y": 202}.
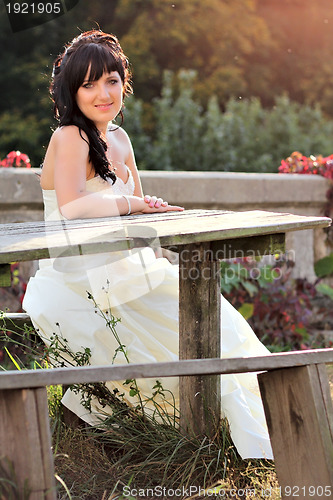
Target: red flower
{"x": 300, "y": 164}
{"x": 16, "y": 159}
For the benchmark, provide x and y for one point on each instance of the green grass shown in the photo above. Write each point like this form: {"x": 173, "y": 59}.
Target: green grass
{"x": 131, "y": 453}
{"x": 8, "y": 483}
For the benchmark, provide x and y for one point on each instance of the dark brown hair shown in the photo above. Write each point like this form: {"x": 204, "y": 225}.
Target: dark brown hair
{"x": 101, "y": 52}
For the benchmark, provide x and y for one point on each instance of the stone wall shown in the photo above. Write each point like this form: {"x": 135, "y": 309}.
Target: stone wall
{"x": 21, "y": 200}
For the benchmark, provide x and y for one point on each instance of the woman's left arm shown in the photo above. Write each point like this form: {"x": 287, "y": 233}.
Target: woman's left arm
{"x": 152, "y": 201}
{"x": 172, "y": 257}
{"x": 131, "y": 163}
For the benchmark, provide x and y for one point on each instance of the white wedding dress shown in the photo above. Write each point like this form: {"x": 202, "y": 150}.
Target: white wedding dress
{"x": 57, "y": 301}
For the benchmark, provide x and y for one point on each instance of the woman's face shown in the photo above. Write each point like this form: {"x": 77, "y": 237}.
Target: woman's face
{"x": 101, "y": 100}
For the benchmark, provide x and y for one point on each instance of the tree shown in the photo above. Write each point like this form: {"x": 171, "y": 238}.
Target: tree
{"x": 26, "y": 65}
{"x": 213, "y": 37}
{"x": 238, "y": 48}
{"x": 299, "y": 62}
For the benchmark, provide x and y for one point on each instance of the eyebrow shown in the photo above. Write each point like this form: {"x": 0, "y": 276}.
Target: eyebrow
{"x": 112, "y": 74}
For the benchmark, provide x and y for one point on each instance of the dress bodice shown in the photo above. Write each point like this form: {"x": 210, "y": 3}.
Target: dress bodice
{"x": 93, "y": 185}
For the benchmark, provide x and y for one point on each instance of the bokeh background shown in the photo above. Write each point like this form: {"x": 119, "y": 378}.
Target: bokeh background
{"x": 231, "y": 85}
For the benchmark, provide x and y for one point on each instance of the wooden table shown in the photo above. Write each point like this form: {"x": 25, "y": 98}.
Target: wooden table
{"x": 294, "y": 386}
{"x": 202, "y": 238}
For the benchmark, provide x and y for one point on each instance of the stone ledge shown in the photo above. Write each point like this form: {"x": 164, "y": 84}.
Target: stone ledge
{"x": 236, "y": 190}
{"x": 20, "y": 187}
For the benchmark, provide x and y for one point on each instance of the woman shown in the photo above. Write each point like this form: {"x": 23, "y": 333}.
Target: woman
{"x": 89, "y": 171}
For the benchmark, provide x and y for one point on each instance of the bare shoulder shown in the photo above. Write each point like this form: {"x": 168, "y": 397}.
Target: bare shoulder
{"x": 70, "y": 134}
{"x": 120, "y": 134}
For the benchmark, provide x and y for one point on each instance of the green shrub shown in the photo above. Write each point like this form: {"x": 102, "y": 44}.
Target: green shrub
{"x": 245, "y": 137}
{"x": 24, "y": 133}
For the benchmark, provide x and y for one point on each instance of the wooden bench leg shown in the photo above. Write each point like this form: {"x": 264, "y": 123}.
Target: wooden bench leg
{"x": 199, "y": 337}
{"x": 26, "y": 440}
{"x": 70, "y": 418}
{"x": 299, "y": 414}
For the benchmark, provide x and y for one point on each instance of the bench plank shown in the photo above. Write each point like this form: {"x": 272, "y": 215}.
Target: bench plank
{"x": 14, "y": 379}
{"x": 298, "y": 420}
{"x": 15, "y": 321}
{"x": 322, "y": 374}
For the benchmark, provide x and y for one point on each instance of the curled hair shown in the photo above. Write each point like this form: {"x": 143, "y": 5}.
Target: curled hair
{"x": 97, "y": 52}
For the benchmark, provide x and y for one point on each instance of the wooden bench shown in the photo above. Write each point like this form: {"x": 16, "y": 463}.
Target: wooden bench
{"x": 294, "y": 388}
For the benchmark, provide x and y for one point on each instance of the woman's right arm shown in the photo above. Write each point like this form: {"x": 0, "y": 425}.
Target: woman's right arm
{"x": 71, "y": 154}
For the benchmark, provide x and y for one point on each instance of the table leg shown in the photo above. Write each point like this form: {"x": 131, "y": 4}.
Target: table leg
{"x": 199, "y": 337}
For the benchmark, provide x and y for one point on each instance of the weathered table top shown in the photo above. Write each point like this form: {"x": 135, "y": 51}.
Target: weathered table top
{"x": 33, "y": 240}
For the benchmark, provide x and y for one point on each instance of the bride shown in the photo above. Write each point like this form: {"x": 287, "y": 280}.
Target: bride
{"x": 89, "y": 171}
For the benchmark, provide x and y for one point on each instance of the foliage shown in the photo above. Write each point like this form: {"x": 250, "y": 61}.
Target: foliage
{"x": 257, "y": 52}
{"x": 297, "y": 163}
{"x": 278, "y": 308}
{"x": 16, "y": 159}
{"x": 20, "y": 347}
{"x": 257, "y": 55}
{"x": 8, "y": 483}
{"x": 26, "y": 133}
{"x": 178, "y": 127}
{"x": 244, "y": 137}
{"x": 188, "y": 35}
{"x": 324, "y": 269}
{"x": 11, "y": 297}
{"x": 324, "y": 266}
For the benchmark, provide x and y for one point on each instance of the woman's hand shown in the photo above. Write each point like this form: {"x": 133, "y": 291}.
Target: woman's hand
{"x": 153, "y": 201}
{"x": 159, "y": 205}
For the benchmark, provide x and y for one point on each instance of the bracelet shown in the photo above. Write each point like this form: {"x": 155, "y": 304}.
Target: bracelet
{"x": 129, "y": 204}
